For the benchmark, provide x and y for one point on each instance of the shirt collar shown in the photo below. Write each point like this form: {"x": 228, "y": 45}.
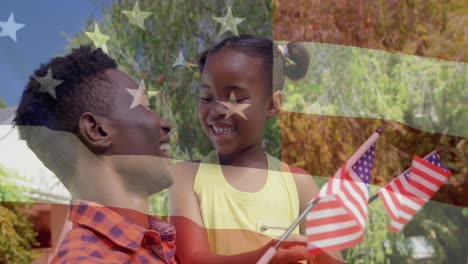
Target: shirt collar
{"x": 114, "y": 226}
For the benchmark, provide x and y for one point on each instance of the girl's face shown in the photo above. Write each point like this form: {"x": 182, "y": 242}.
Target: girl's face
{"x": 231, "y": 71}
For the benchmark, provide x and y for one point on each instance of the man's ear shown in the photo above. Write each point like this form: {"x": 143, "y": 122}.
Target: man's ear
{"x": 275, "y": 105}
{"x": 94, "y": 132}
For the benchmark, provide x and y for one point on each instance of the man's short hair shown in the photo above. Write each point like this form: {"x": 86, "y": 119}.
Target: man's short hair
{"x": 84, "y": 88}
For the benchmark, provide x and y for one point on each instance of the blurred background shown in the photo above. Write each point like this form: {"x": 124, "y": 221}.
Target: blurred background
{"x": 394, "y": 62}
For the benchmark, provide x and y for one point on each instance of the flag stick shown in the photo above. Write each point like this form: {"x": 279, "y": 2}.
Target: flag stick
{"x": 270, "y": 253}
{"x": 364, "y": 147}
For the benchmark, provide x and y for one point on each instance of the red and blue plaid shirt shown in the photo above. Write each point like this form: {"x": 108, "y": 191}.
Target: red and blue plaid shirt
{"x": 101, "y": 235}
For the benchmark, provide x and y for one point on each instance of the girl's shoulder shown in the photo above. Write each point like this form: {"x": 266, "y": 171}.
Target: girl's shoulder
{"x": 305, "y": 183}
{"x": 185, "y": 170}
{"x": 297, "y": 170}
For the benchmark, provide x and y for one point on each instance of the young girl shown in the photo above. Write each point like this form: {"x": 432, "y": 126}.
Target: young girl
{"x": 241, "y": 196}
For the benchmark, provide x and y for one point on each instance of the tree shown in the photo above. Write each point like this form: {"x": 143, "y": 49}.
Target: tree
{"x": 2, "y": 104}
{"x": 18, "y": 235}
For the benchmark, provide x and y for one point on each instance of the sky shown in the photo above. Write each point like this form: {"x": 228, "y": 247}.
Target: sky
{"x": 47, "y": 25}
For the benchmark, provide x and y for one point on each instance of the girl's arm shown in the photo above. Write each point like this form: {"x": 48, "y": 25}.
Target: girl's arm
{"x": 307, "y": 189}
{"x": 192, "y": 245}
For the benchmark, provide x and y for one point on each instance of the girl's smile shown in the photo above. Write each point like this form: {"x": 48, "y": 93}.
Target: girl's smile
{"x": 227, "y": 76}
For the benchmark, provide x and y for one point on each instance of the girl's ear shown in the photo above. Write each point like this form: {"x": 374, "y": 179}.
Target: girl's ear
{"x": 275, "y": 105}
{"x": 94, "y": 132}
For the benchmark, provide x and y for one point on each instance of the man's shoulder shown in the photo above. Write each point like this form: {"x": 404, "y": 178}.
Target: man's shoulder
{"x": 81, "y": 245}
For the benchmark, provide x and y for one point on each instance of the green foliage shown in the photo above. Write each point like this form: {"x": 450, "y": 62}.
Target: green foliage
{"x": 159, "y": 204}
{"x": 380, "y": 245}
{"x": 446, "y": 228}
{"x": 2, "y": 104}
{"x": 17, "y": 234}
{"x": 424, "y": 93}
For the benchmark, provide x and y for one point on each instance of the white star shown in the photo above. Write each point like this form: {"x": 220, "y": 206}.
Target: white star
{"x": 48, "y": 84}
{"x": 140, "y": 96}
{"x": 180, "y": 61}
{"x": 99, "y": 39}
{"x": 233, "y": 107}
{"x": 10, "y": 27}
{"x": 228, "y": 23}
{"x": 136, "y": 16}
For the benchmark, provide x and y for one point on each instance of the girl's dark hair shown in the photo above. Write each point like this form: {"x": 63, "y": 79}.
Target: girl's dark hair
{"x": 275, "y": 66}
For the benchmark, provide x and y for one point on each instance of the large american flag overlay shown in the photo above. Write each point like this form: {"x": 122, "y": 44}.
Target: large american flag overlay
{"x": 408, "y": 193}
{"x": 338, "y": 220}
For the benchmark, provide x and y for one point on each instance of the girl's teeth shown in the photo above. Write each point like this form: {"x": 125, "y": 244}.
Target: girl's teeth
{"x": 223, "y": 130}
{"x": 164, "y": 146}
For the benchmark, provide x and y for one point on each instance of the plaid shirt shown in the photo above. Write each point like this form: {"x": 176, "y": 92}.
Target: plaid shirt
{"x": 100, "y": 235}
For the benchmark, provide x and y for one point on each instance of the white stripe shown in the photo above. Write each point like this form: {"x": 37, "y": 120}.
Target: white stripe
{"x": 356, "y": 195}
{"x": 317, "y": 214}
{"x": 401, "y": 213}
{"x": 329, "y": 227}
{"x": 336, "y": 183}
{"x": 323, "y": 190}
{"x": 333, "y": 241}
{"x": 405, "y": 215}
{"x": 327, "y": 198}
{"x": 432, "y": 173}
{"x": 411, "y": 204}
{"x": 397, "y": 225}
{"x": 394, "y": 187}
{"x": 361, "y": 185}
{"x": 415, "y": 191}
{"x": 429, "y": 185}
{"x": 389, "y": 201}
{"x": 353, "y": 209}
{"x": 358, "y": 180}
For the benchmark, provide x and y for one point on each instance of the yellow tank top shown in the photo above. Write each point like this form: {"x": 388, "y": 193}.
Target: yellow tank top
{"x": 267, "y": 212}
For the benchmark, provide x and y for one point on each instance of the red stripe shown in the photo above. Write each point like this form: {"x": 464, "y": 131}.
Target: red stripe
{"x": 352, "y": 199}
{"x": 426, "y": 177}
{"x": 433, "y": 167}
{"x": 339, "y": 246}
{"x": 392, "y": 198}
{"x": 419, "y": 186}
{"x": 328, "y": 220}
{"x": 334, "y": 234}
{"x": 401, "y": 186}
{"x": 355, "y": 186}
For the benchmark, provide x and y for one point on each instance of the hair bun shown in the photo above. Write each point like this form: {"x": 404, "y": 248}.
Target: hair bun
{"x": 299, "y": 55}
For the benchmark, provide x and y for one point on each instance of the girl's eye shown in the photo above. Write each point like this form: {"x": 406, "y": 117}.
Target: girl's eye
{"x": 205, "y": 99}
{"x": 241, "y": 100}
{"x": 149, "y": 107}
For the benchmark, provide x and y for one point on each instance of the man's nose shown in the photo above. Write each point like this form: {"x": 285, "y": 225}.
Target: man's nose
{"x": 165, "y": 126}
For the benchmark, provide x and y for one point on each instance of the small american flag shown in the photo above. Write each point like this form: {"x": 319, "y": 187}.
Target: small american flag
{"x": 338, "y": 220}
{"x": 408, "y": 193}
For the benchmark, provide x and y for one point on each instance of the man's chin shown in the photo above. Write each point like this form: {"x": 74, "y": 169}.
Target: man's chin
{"x": 148, "y": 174}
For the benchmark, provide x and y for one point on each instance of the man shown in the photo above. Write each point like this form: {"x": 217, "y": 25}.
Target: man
{"x": 91, "y": 125}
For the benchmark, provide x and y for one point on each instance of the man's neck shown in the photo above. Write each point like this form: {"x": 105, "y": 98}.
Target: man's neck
{"x": 107, "y": 188}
